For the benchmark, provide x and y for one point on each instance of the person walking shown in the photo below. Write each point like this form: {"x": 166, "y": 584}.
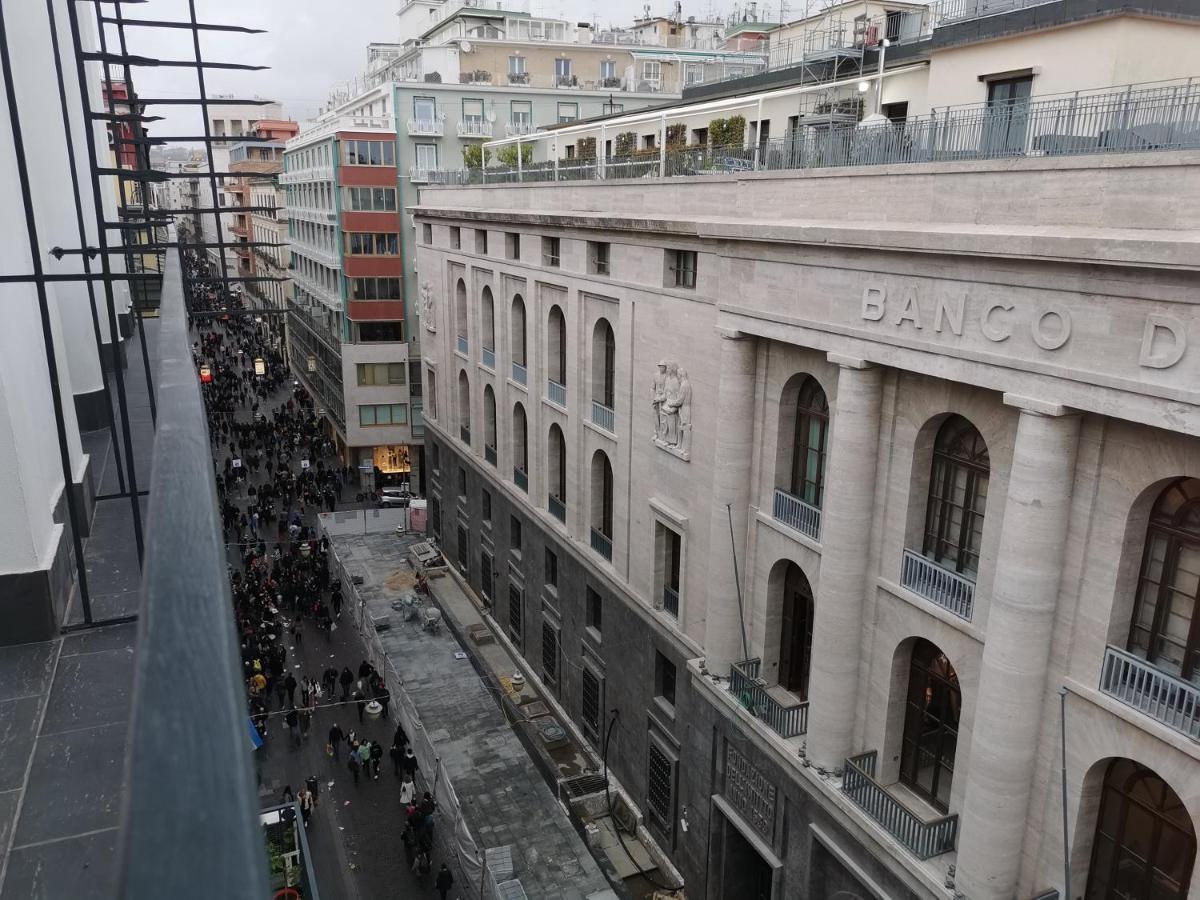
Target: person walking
{"x": 293, "y": 723}
{"x": 313, "y": 785}
{"x": 346, "y": 679}
{"x": 445, "y": 881}
{"x": 408, "y": 790}
{"x": 397, "y": 756}
{"x": 330, "y": 680}
{"x": 409, "y": 764}
{"x": 353, "y": 765}
{"x": 306, "y": 805}
{"x": 360, "y": 700}
{"x": 336, "y": 737}
{"x": 289, "y": 685}
{"x": 376, "y": 757}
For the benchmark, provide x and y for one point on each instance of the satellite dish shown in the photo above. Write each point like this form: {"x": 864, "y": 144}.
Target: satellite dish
{"x": 466, "y": 46}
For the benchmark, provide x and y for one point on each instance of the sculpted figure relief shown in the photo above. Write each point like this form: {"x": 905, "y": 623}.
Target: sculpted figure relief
{"x": 427, "y": 311}
{"x": 671, "y": 401}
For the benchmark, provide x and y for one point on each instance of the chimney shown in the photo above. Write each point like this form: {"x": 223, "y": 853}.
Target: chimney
{"x": 583, "y": 32}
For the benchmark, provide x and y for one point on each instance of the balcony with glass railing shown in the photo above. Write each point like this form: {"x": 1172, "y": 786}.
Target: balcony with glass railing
{"x": 923, "y": 838}
{"x": 557, "y": 507}
{"x": 556, "y": 393}
{"x": 1139, "y": 684}
{"x": 604, "y": 417}
{"x": 796, "y": 514}
{"x": 937, "y": 584}
{"x": 601, "y": 543}
{"x": 751, "y": 692}
{"x": 519, "y": 373}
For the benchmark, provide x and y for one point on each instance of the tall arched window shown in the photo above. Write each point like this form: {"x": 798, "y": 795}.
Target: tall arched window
{"x": 602, "y": 504}
{"x": 795, "y": 635}
{"x": 958, "y": 485}
{"x": 808, "y": 444}
{"x": 489, "y": 424}
{"x": 604, "y": 361}
{"x": 556, "y": 356}
{"x": 460, "y": 315}
{"x": 487, "y": 327}
{"x": 517, "y": 339}
{"x": 1165, "y": 622}
{"x": 930, "y": 724}
{"x": 556, "y": 472}
{"x": 520, "y": 448}
{"x": 464, "y": 407}
{"x": 1145, "y": 845}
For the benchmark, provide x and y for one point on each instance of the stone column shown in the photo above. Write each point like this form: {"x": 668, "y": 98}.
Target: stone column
{"x": 1012, "y": 680}
{"x": 845, "y": 541}
{"x": 732, "y": 457}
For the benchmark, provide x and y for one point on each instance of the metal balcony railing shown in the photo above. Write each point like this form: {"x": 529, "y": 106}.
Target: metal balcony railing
{"x": 464, "y": 432}
{"x": 751, "y": 692}
{"x": 938, "y": 584}
{"x": 515, "y": 129}
{"x": 489, "y": 453}
{"x": 521, "y": 479}
{"x": 474, "y": 128}
{"x": 463, "y": 346}
{"x": 427, "y": 127}
{"x": 419, "y": 174}
{"x": 951, "y": 11}
{"x": 602, "y": 544}
{"x": 557, "y": 508}
{"x": 795, "y": 513}
{"x": 1164, "y": 698}
{"x": 921, "y": 838}
{"x": 604, "y": 417}
{"x": 519, "y": 374}
{"x": 557, "y": 393}
{"x": 670, "y": 601}
{"x": 489, "y": 358}
{"x": 1135, "y": 118}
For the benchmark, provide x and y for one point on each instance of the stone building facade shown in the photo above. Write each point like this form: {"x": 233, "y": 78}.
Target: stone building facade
{"x": 810, "y": 492}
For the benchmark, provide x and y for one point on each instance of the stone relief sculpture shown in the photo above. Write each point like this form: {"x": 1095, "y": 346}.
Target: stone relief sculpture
{"x": 671, "y": 402}
{"x": 427, "y": 310}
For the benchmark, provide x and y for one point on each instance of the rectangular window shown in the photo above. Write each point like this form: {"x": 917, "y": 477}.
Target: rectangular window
{"x": 595, "y": 611}
{"x": 568, "y": 112}
{"x": 514, "y": 535}
{"x": 590, "y": 703}
{"x": 598, "y": 256}
{"x": 426, "y": 157}
{"x": 562, "y": 71}
{"x": 380, "y": 333}
{"x": 481, "y": 241}
{"x": 515, "y": 612}
{"x": 522, "y": 114}
{"x": 370, "y": 153}
{"x": 516, "y": 65}
{"x": 486, "y": 576}
{"x": 485, "y": 502}
{"x": 608, "y": 71}
{"x": 550, "y": 251}
{"x": 660, "y": 784}
{"x": 681, "y": 268}
{"x": 551, "y": 568}
{"x": 371, "y": 199}
{"x": 668, "y": 551}
{"x": 472, "y": 111}
{"x": 427, "y": 233}
{"x": 372, "y": 244}
{"x": 512, "y": 245}
{"x": 664, "y": 678}
{"x": 462, "y": 482}
{"x": 375, "y": 288}
{"x": 549, "y": 653}
{"x": 437, "y": 459}
{"x": 464, "y": 548}
{"x": 455, "y": 237}
{"x": 648, "y": 141}
{"x": 376, "y": 374}
{"x": 693, "y": 73}
{"x": 383, "y": 414}
{"x": 425, "y": 110}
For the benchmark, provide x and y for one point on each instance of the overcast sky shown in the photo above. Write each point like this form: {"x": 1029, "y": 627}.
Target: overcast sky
{"x": 313, "y": 45}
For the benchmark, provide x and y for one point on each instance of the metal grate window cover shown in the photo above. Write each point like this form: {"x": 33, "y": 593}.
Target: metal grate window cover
{"x": 659, "y": 784}
{"x": 514, "y": 612}
{"x": 549, "y": 653}
{"x": 591, "y": 704}
{"x": 582, "y": 785}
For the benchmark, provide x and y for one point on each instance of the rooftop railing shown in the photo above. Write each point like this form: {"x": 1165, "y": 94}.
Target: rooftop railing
{"x": 921, "y": 838}
{"x": 1133, "y": 119}
{"x": 950, "y": 11}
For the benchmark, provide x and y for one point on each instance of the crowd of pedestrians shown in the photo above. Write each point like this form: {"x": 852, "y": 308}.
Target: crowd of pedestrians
{"x": 274, "y": 467}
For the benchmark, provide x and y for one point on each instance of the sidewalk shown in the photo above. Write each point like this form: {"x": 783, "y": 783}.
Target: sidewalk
{"x": 502, "y": 795}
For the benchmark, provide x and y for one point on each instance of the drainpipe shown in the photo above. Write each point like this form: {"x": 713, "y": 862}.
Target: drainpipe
{"x": 758, "y": 142}
{"x": 662, "y": 146}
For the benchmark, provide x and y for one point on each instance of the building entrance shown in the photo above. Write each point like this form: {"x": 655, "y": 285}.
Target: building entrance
{"x": 742, "y": 872}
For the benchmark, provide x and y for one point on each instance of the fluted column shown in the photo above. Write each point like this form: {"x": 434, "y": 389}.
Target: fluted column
{"x": 1012, "y": 680}
{"x": 732, "y": 457}
{"x": 845, "y": 537}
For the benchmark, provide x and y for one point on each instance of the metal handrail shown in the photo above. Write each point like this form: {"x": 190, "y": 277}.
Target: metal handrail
{"x": 921, "y": 838}
{"x": 604, "y": 417}
{"x": 796, "y": 514}
{"x": 751, "y": 692}
{"x": 601, "y": 543}
{"x": 1143, "y": 686}
{"x": 951, "y": 11}
{"x": 519, "y": 373}
{"x": 556, "y": 393}
{"x": 557, "y": 507}
{"x": 938, "y": 584}
{"x": 189, "y": 744}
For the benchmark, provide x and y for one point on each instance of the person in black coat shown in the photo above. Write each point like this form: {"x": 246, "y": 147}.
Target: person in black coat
{"x": 336, "y": 736}
{"x": 346, "y": 679}
{"x": 445, "y": 881}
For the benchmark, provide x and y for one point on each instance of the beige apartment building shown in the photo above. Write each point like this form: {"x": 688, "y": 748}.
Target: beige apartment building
{"x": 860, "y": 501}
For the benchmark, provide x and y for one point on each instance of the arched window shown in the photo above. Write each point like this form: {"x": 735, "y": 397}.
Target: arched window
{"x": 808, "y": 444}
{"x": 464, "y": 408}
{"x": 556, "y": 471}
{"x": 487, "y": 325}
{"x": 556, "y": 346}
{"x": 1145, "y": 845}
{"x": 460, "y": 315}
{"x": 517, "y": 338}
{"x": 489, "y": 424}
{"x": 958, "y": 485}
{"x": 604, "y": 359}
{"x": 1165, "y": 621}
{"x": 795, "y": 637}
{"x": 520, "y": 448}
{"x": 602, "y": 504}
{"x": 930, "y": 724}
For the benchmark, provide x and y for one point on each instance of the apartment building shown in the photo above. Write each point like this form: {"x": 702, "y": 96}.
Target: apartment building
{"x": 821, "y": 499}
